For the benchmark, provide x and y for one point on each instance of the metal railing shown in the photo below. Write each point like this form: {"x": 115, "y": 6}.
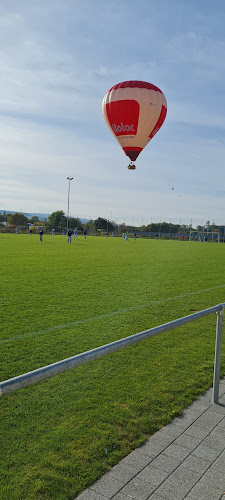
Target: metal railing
{"x": 48, "y": 371}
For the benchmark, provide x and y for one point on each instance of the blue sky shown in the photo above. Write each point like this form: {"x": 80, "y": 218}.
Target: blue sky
{"x": 59, "y": 58}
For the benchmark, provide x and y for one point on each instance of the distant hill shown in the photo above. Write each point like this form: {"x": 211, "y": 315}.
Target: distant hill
{"x": 41, "y": 217}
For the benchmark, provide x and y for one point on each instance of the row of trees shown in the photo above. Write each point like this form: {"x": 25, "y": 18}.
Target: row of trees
{"x": 58, "y": 221}
{"x": 18, "y": 219}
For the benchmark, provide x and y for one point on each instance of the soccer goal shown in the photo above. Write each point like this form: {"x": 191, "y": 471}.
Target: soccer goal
{"x": 204, "y": 236}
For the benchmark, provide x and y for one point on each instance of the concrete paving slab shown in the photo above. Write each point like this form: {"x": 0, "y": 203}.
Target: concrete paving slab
{"x": 173, "y": 430}
{"x": 166, "y": 463}
{"x": 155, "y": 496}
{"x": 138, "y": 489}
{"x": 218, "y": 443}
{"x": 222, "y": 423}
{"x": 137, "y": 460}
{"x": 196, "y": 432}
{"x": 176, "y": 451}
{"x": 91, "y": 495}
{"x": 218, "y": 409}
{"x": 200, "y": 492}
{"x": 191, "y": 414}
{"x": 219, "y": 464}
{"x": 123, "y": 472}
{"x": 184, "y": 460}
{"x": 222, "y": 399}
{"x": 209, "y": 420}
{"x": 188, "y": 441}
{"x": 153, "y": 448}
{"x": 153, "y": 475}
{"x": 107, "y": 486}
{"x": 218, "y": 432}
{"x": 161, "y": 439}
{"x": 203, "y": 451}
{"x": 173, "y": 490}
{"x": 213, "y": 477}
{"x": 122, "y": 496}
{"x": 196, "y": 464}
{"x": 183, "y": 475}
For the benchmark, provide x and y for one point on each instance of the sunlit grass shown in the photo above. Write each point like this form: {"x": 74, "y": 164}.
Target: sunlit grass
{"x": 58, "y": 300}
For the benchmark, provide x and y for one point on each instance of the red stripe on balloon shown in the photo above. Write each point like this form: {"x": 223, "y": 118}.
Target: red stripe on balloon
{"x": 135, "y": 84}
{"x": 159, "y": 123}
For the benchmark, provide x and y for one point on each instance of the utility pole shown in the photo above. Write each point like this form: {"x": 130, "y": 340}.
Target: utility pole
{"x": 68, "y": 211}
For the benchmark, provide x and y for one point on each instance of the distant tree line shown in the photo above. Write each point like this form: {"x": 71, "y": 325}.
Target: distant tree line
{"x": 58, "y": 221}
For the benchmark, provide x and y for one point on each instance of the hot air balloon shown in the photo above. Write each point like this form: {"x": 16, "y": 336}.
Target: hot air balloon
{"x": 134, "y": 111}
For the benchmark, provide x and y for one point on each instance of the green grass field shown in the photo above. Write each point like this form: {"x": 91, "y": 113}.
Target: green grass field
{"x": 58, "y": 300}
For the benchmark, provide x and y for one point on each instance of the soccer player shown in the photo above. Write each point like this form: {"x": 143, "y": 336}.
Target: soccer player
{"x": 75, "y": 234}
{"x": 69, "y": 235}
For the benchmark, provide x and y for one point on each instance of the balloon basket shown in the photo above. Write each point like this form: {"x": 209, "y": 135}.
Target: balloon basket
{"x": 131, "y": 166}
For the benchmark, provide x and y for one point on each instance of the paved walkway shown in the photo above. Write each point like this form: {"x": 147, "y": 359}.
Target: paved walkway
{"x": 185, "y": 459}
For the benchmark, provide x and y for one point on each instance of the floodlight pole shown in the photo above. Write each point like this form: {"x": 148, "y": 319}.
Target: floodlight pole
{"x": 67, "y": 225}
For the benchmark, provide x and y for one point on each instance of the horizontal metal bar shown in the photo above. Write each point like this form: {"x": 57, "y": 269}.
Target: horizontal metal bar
{"x": 48, "y": 371}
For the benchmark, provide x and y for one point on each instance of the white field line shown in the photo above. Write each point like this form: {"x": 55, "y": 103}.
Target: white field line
{"x": 108, "y": 315}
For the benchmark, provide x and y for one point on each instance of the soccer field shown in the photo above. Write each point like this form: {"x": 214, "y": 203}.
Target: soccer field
{"x": 58, "y": 300}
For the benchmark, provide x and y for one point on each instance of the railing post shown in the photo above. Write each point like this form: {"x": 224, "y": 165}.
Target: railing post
{"x": 216, "y": 375}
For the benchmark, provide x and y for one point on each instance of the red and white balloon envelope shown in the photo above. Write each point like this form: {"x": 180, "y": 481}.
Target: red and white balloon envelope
{"x": 134, "y": 111}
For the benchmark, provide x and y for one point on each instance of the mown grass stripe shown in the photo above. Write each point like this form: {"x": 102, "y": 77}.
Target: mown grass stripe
{"x": 108, "y": 315}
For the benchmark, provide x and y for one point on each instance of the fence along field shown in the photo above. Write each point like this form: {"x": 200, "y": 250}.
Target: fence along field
{"x": 58, "y": 300}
